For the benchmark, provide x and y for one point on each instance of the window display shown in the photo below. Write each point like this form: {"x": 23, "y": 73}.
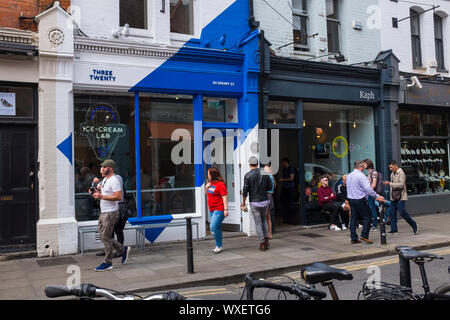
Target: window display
{"x": 335, "y": 137}
{"x": 425, "y": 159}
{"x": 426, "y": 166}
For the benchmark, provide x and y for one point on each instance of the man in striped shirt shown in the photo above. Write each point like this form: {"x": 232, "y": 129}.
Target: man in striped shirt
{"x": 358, "y": 190}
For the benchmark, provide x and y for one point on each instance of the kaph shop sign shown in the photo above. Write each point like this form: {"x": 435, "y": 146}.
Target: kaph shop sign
{"x": 102, "y": 129}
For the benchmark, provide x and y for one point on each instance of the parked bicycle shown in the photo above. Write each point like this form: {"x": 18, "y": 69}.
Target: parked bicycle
{"x": 389, "y": 291}
{"x": 284, "y": 289}
{"x": 89, "y": 292}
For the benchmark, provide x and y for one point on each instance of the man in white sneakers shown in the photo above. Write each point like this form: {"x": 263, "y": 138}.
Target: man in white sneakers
{"x": 109, "y": 195}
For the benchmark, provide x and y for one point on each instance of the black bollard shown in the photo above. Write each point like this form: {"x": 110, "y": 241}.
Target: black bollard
{"x": 405, "y": 268}
{"x": 382, "y": 224}
{"x": 190, "y": 248}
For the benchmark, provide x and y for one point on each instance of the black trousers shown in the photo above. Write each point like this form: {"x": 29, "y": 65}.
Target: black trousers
{"x": 335, "y": 212}
{"x": 287, "y": 200}
{"x": 360, "y": 211}
{"x": 118, "y": 231}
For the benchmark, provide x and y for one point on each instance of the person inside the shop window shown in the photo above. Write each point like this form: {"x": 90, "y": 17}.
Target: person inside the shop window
{"x": 287, "y": 188}
{"x": 216, "y": 190}
{"x": 328, "y": 202}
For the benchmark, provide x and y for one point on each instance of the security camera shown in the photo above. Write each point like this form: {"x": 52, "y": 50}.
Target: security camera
{"x": 415, "y": 83}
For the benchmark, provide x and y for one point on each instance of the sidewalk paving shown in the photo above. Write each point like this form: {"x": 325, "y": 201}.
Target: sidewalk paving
{"x": 161, "y": 267}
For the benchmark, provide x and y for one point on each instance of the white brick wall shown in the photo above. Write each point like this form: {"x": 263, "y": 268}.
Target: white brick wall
{"x": 100, "y": 18}
{"x": 356, "y": 45}
{"x": 400, "y": 39}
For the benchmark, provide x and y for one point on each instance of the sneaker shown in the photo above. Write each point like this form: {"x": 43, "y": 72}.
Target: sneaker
{"x": 355, "y": 241}
{"x": 218, "y": 250}
{"x": 373, "y": 229}
{"x": 343, "y": 227}
{"x": 126, "y": 254}
{"x": 104, "y": 266}
{"x": 360, "y": 226}
{"x": 416, "y": 229}
{"x": 335, "y": 228}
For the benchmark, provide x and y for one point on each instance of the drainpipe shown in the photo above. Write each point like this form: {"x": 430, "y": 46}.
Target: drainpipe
{"x": 252, "y": 21}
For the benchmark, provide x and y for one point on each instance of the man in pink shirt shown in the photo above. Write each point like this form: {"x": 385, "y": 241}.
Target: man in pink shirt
{"x": 327, "y": 201}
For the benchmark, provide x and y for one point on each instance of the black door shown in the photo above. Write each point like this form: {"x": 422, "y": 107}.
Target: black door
{"x": 17, "y": 185}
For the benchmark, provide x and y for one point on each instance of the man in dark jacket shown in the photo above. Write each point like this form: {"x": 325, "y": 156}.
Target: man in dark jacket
{"x": 256, "y": 185}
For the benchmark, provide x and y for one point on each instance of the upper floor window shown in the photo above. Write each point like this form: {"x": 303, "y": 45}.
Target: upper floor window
{"x": 182, "y": 16}
{"x": 439, "y": 42}
{"x": 332, "y": 7}
{"x": 300, "y": 21}
{"x": 133, "y": 12}
{"x": 415, "y": 38}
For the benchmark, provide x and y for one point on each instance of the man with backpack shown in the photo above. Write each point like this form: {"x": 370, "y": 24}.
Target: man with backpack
{"x": 376, "y": 182}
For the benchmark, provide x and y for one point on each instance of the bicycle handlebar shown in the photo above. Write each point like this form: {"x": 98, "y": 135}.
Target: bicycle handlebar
{"x": 91, "y": 291}
{"x": 294, "y": 288}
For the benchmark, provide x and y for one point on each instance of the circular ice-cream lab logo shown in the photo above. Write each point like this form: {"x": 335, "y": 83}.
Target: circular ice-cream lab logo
{"x": 102, "y": 129}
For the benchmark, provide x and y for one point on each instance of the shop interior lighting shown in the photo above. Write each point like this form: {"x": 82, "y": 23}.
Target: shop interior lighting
{"x": 354, "y": 124}
{"x": 330, "y": 123}
{"x": 304, "y": 123}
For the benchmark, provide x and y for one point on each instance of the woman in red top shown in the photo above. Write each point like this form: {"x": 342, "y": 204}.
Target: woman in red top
{"x": 327, "y": 201}
{"x": 217, "y": 204}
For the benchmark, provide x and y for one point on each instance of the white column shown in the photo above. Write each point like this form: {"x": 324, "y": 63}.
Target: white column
{"x": 57, "y": 227}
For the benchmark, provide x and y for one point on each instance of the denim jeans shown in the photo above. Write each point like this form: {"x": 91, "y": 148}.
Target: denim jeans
{"x": 260, "y": 217}
{"x": 373, "y": 205}
{"x": 215, "y": 225}
{"x": 400, "y": 205}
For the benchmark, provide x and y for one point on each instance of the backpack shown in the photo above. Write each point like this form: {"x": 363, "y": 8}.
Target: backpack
{"x": 380, "y": 184}
{"x": 125, "y": 210}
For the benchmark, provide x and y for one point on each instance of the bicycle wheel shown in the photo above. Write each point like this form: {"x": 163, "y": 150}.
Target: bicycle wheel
{"x": 444, "y": 289}
{"x": 386, "y": 291}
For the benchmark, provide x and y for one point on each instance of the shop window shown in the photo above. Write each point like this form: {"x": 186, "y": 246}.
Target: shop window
{"x": 439, "y": 42}
{"x": 167, "y": 188}
{"x": 332, "y": 9}
{"x": 409, "y": 123}
{"x": 220, "y": 110}
{"x": 300, "y": 22}
{"x": 104, "y": 129}
{"x": 16, "y": 102}
{"x": 281, "y": 112}
{"x": 133, "y": 12}
{"x": 415, "y": 38}
{"x": 182, "y": 16}
{"x": 335, "y": 136}
{"x": 424, "y": 156}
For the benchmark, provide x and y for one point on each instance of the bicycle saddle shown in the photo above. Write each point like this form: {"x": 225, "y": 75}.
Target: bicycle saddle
{"x": 320, "y": 272}
{"x": 411, "y": 254}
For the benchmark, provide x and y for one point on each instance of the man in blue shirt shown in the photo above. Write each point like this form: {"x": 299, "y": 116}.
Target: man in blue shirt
{"x": 358, "y": 190}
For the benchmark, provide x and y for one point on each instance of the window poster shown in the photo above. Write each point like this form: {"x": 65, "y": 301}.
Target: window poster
{"x": 7, "y": 104}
